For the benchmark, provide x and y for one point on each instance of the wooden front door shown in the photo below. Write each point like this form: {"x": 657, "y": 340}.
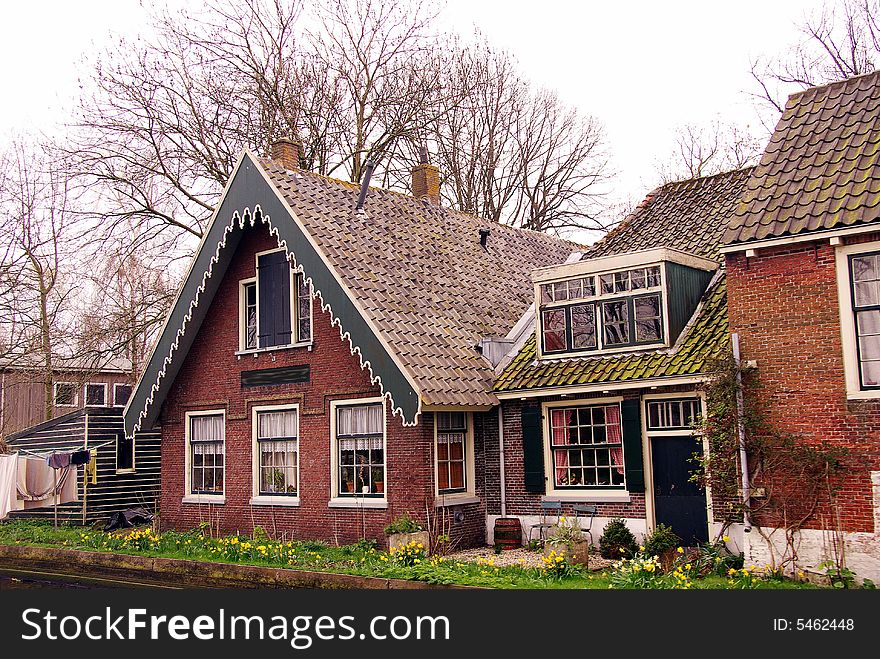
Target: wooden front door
{"x": 678, "y": 502}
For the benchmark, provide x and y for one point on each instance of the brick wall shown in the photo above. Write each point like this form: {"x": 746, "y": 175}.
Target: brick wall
{"x": 210, "y": 379}
{"x": 784, "y": 305}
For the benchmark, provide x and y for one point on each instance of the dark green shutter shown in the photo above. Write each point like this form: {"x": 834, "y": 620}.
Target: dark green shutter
{"x": 273, "y": 272}
{"x": 533, "y": 449}
{"x": 630, "y": 419}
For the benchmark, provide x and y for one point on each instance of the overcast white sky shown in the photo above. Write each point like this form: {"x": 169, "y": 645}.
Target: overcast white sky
{"x": 641, "y": 68}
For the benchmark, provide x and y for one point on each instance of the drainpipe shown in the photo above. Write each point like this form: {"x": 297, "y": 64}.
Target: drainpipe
{"x": 501, "y": 477}
{"x": 741, "y": 432}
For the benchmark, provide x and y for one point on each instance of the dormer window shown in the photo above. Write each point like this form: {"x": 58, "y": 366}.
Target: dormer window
{"x": 613, "y": 304}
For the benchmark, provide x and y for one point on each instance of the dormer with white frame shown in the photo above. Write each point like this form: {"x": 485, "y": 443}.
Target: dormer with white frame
{"x": 621, "y": 303}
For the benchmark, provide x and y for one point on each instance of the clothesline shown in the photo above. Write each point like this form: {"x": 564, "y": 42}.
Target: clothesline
{"x": 43, "y": 454}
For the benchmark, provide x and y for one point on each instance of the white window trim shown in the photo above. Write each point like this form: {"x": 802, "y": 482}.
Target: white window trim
{"x": 116, "y": 385}
{"x": 469, "y": 493}
{"x": 75, "y": 395}
{"x": 357, "y": 501}
{"x": 588, "y": 495}
{"x": 648, "y": 458}
{"x": 847, "y": 321}
{"x": 294, "y": 319}
{"x": 258, "y": 499}
{"x": 597, "y": 300}
{"x": 188, "y": 495}
{"x": 86, "y": 393}
{"x": 133, "y": 468}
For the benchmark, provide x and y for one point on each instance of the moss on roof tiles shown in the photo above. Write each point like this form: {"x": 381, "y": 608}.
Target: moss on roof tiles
{"x": 701, "y": 343}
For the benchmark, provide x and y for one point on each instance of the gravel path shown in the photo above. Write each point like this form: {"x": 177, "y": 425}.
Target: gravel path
{"x": 521, "y": 556}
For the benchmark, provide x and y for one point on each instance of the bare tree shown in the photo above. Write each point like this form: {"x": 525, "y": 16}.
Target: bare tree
{"x": 34, "y": 295}
{"x": 707, "y": 150}
{"x": 840, "y": 41}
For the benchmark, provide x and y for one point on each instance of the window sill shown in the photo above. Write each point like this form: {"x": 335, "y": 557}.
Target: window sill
{"x": 290, "y": 502}
{"x": 126, "y": 471}
{"x": 213, "y": 499}
{"x": 445, "y": 500}
{"x": 866, "y": 394}
{"x": 635, "y": 347}
{"x": 257, "y": 351}
{"x": 377, "y": 504}
{"x": 589, "y": 497}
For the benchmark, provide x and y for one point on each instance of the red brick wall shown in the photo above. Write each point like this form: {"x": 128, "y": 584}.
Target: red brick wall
{"x": 784, "y": 305}
{"x": 210, "y": 379}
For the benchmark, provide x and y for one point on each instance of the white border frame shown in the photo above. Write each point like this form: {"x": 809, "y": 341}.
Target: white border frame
{"x": 356, "y": 501}
{"x": 469, "y": 495}
{"x": 585, "y": 495}
{"x": 188, "y": 496}
{"x": 258, "y": 499}
{"x": 647, "y": 457}
{"x": 133, "y": 468}
{"x": 55, "y": 402}
{"x": 121, "y": 384}
{"x": 842, "y": 253}
{"x": 242, "y": 314}
{"x": 86, "y": 393}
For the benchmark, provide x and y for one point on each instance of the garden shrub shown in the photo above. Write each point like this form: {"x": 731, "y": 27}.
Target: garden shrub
{"x": 661, "y": 540}
{"x": 403, "y": 524}
{"x": 617, "y": 540}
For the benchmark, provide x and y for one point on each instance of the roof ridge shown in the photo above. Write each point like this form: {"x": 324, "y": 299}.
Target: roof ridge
{"x": 833, "y": 83}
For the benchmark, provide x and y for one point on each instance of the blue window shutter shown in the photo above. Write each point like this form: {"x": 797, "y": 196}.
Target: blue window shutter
{"x": 631, "y": 422}
{"x": 533, "y": 449}
{"x": 273, "y": 272}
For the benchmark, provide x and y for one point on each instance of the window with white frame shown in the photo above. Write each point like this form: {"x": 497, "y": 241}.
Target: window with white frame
{"x": 452, "y": 452}
{"x": 277, "y": 437}
{"x": 586, "y": 447}
{"x": 673, "y": 413}
{"x": 207, "y": 434}
{"x": 121, "y": 394}
{"x": 606, "y": 311}
{"x": 360, "y": 450}
{"x": 275, "y": 306}
{"x": 66, "y": 394}
{"x": 124, "y": 453}
{"x": 864, "y": 272}
{"x": 96, "y": 395}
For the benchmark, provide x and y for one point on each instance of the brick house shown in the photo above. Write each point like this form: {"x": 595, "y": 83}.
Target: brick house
{"x": 601, "y": 390}
{"x": 801, "y": 256}
{"x": 320, "y": 372}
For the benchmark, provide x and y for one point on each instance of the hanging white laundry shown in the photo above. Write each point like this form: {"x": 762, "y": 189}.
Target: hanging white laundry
{"x": 8, "y": 483}
{"x": 36, "y": 479}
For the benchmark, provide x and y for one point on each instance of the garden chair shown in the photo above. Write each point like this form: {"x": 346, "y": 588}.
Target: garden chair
{"x": 587, "y": 513}
{"x": 548, "y": 508}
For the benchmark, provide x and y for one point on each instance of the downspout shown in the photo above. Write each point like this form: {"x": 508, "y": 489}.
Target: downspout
{"x": 741, "y": 432}
{"x": 501, "y": 477}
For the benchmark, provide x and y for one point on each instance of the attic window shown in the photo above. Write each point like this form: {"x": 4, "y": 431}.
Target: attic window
{"x": 275, "y": 307}
{"x": 625, "y": 310}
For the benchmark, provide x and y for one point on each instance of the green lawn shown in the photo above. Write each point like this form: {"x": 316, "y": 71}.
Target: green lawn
{"x": 359, "y": 559}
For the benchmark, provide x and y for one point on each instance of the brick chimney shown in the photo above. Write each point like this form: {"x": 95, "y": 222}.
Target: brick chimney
{"x": 426, "y": 180}
{"x": 286, "y": 152}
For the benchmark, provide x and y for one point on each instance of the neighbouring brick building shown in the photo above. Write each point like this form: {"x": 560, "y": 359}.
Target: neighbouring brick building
{"x": 319, "y": 373}
{"x": 801, "y": 256}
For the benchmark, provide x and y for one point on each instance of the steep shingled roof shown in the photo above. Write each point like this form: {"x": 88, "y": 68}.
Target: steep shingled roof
{"x": 821, "y": 169}
{"x": 420, "y": 273}
{"x": 687, "y": 215}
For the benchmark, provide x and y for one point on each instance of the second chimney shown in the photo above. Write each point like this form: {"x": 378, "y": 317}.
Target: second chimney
{"x": 286, "y": 152}
{"x": 426, "y": 180}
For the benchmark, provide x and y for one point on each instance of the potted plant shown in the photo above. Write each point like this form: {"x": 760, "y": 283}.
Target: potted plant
{"x": 404, "y": 530}
{"x": 568, "y": 539}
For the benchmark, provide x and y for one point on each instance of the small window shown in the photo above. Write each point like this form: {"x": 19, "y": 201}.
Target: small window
{"x": 278, "y": 451}
{"x": 207, "y": 453}
{"x": 96, "y": 395}
{"x": 249, "y": 300}
{"x": 124, "y": 452}
{"x": 452, "y": 433}
{"x": 65, "y": 394}
{"x": 865, "y": 281}
{"x": 360, "y": 442}
{"x": 121, "y": 394}
{"x": 648, "y": 318}
{"x": 553, "y": 321}
{"x": 303, "y": 309}
{"x": 673, "y": 413}
{"x": 615, "y": 323}
{"x": 586, "y": 447}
